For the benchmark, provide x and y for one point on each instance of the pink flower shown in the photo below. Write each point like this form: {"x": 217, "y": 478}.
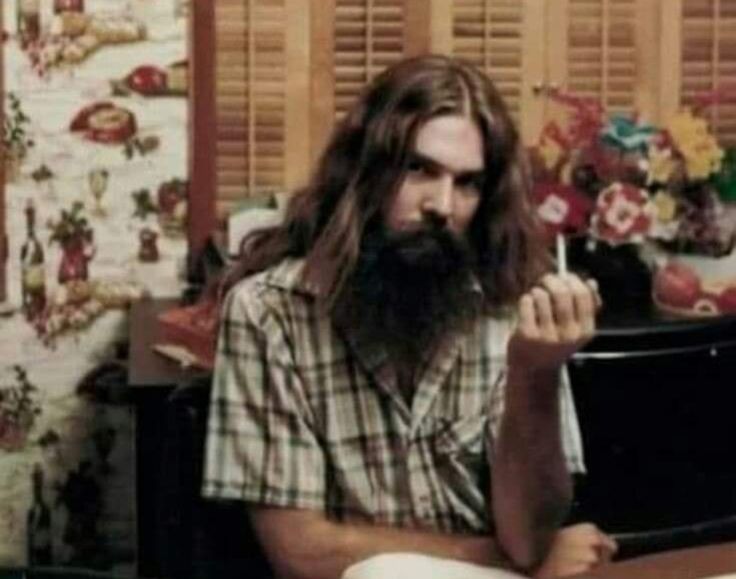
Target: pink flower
{"x": 561, "y": 208}
{"x": 623, "y": 214}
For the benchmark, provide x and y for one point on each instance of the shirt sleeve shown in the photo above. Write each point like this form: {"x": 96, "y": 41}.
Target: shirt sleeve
{"x": 570, "y": 428}
{"x": 261, "y": 445}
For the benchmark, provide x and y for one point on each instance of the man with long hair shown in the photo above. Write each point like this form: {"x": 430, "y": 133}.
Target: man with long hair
{"x": 390, "y": 364}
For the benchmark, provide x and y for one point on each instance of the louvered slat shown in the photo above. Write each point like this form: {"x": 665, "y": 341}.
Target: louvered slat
{"x": 369, "y": 36}
{"x": 488, "y": 33}
{"x": 250, "y": 85}
{"x": 709, "y": 59}
{"x": 602, "y": 52}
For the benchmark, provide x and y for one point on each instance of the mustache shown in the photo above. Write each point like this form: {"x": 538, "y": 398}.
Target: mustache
{"x": 427, "y": 248}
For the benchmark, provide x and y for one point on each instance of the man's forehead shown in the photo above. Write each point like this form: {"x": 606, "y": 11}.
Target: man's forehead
{"x": 454, "y": 142}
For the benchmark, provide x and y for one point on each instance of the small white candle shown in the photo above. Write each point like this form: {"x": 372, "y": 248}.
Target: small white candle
{"x": 561, "y": 254}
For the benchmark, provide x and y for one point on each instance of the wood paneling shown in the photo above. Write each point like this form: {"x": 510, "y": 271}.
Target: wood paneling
{"x": 203, "y": 181}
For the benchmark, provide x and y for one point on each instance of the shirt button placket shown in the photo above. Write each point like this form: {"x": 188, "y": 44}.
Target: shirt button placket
{"x": 421, "y": 498}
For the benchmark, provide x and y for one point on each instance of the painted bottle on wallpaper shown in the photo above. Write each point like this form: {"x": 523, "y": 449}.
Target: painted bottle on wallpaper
{"x": 28, "y": 20}
{"x": 38, "y": 525}
{"x": 76, "y": 255}
{"x": 33, "y": 268}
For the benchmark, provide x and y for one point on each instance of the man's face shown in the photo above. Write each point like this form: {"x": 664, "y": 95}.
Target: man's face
{"x": 444, "y": 180}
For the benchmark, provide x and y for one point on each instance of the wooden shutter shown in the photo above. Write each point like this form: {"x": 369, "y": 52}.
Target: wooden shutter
{"x": 489, "y": 34}
{"x": 708, "y": 62}
{"x": 601, "y": 52}
{"x": 250, "y": 97}
{"x": 369, "y": 36}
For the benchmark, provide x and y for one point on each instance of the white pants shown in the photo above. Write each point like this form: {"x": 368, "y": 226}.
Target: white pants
{"x": 416, "y": 566}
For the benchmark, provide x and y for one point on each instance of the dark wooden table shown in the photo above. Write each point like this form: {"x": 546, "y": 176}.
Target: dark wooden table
{"x": 697, "y": 563}
{"x": 148, "y": 369}
{"x": 151, "y": 378}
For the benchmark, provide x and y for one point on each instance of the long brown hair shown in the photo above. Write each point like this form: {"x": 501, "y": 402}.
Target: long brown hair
{"x": 364, "y": 164}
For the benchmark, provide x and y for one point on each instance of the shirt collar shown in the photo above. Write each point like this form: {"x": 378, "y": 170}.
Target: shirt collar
{"x": 289, "y": 275}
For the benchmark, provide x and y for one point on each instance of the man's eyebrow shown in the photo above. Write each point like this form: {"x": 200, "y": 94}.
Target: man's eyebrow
{"x": 417, "y": 157}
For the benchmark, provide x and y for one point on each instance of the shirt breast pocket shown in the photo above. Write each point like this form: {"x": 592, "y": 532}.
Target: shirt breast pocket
{"x": 461, "y": 463}
{"x": 460, "y": 450}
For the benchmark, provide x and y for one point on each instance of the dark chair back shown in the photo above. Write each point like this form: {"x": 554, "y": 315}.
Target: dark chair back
{"x": 199, "y": 538}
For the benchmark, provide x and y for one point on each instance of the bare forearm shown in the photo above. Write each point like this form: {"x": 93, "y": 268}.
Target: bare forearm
{"x": 532, "y": 489}
{"x": 316, "y": 548}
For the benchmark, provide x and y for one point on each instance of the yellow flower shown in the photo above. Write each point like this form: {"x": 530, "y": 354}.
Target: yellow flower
{"x": 684, "y": 128}
{"x": 661, "y": 165}
{"x": 699, "y": 148}
{"x": 665, "y": 206}
{"x": 698, "y": 167}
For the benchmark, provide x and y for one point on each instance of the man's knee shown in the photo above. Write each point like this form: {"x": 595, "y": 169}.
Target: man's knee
{"x": 409, "y": 565}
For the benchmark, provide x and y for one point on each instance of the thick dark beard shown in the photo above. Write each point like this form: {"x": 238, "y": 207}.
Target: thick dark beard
{"x": 409, "y": 289}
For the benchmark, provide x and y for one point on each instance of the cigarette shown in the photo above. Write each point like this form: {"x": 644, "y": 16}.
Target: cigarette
{"x": 561, "y": 254}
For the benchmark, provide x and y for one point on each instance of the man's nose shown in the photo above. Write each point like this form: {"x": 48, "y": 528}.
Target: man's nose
{"x": 438, "y": 201}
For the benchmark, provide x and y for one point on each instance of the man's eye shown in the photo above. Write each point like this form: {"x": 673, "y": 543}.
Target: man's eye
{"x": 470, "y": 183}
{"x": 417, "y": 168}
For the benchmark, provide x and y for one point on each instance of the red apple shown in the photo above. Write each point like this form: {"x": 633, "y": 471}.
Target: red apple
{"x": 677, "y": 285}
{"x": 147, "y": 80}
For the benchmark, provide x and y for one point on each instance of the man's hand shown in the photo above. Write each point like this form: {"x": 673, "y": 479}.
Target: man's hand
{"x": 576, "y": 549}
{"x": 556, "y": 318}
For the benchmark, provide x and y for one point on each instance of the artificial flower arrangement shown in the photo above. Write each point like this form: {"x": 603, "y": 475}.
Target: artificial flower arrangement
{"x": 615, "y": 184}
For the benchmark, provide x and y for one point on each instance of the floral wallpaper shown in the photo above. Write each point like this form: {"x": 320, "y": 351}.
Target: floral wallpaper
{"x": 96, "y": 185}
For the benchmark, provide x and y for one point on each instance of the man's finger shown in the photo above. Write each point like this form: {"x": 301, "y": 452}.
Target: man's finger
{"x": 527, "y": 317}
{"x": 609, "y": 543}
{"x": 562, "y": 300}
{"x": 543, "y": 309}
{"x": 585, "y": 307}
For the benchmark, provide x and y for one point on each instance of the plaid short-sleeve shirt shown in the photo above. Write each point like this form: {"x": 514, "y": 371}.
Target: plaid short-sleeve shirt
{"x": 305, "y": 416}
